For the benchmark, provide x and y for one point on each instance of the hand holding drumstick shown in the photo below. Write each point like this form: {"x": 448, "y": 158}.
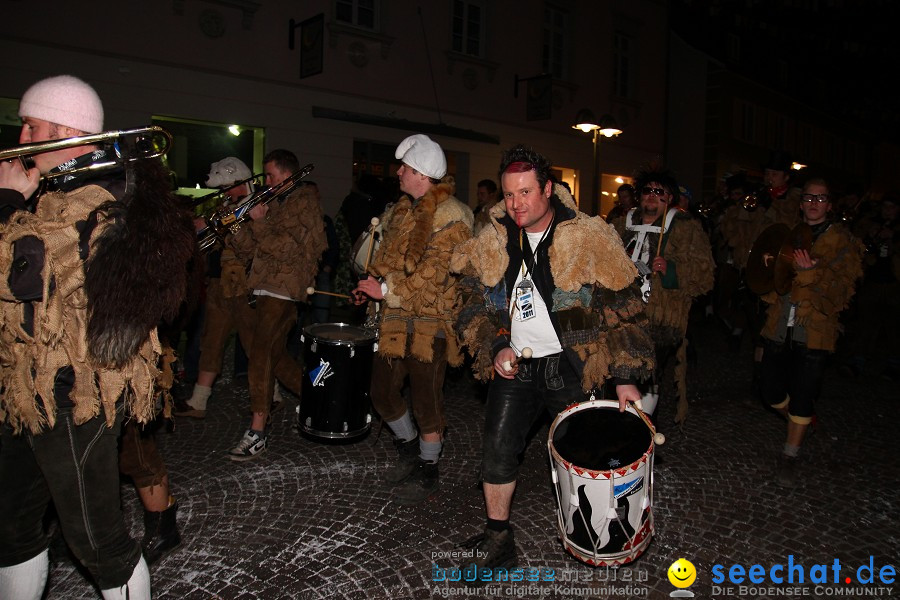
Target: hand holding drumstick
{"x": 506, "y": 363}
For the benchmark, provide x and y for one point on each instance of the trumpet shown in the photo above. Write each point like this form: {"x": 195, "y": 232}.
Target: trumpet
{"x": 127, "y": 145}
{"x": 229, "y": 220}
{"x": 750, "y": 202}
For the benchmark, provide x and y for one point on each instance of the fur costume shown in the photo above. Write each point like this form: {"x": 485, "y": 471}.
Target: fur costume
{"x": 595, "y": 304}
{"x": 740, "y": 228}
{"x": 822, "y": 292}
{"x": 413, "y": 258}
{"x": 285, "y": 247}
{"x": 686, "y": 249}
{"x": 786, "y": 208}
{"x": 103, "y": 293}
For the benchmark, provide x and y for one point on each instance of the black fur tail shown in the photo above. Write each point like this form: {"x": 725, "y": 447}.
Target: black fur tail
{"x": 136, "y": 274}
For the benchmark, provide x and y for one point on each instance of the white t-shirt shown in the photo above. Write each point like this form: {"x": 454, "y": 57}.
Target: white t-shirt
{"x": 537, "y": 332}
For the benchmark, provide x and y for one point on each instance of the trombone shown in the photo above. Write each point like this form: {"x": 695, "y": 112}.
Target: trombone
{"x": 229, "y": 220}
{"x": 219, "y": 194}
{"x": 128, "y": 145}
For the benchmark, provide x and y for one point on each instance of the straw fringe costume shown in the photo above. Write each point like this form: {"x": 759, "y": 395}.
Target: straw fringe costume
{"x": 86, "y": 280}
{"x": 595, "y": 304}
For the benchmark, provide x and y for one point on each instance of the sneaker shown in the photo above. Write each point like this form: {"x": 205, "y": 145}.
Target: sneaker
{"x": 250, "y": 446}
{"x": 492, "y": 550}
{"x": 786, "y": 471}
{"x": 421, "y": 483}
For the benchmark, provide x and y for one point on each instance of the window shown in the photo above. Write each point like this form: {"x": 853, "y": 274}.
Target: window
{"x": 468, "y": 28}
{"x": 358, "y": 13}
{"x": 556, "y": 23}
{"x": 623, "y": 65}
{"x": 746, "y": 122}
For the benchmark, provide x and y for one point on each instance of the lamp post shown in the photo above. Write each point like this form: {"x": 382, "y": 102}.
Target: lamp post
{"x": 605, "y": 126}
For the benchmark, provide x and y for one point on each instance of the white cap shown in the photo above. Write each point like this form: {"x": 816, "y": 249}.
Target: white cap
{"x": 423, "y": 154}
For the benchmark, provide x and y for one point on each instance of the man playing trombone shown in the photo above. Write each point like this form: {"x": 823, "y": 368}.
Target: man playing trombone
{"x": 282, "y": 244}
{"x": 76, "y": 358}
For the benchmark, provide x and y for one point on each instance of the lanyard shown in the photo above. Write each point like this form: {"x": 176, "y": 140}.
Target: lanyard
{"x": 525, "y": 268}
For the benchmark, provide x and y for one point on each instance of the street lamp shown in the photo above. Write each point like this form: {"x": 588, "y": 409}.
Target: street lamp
{"x": 605, "y": 126}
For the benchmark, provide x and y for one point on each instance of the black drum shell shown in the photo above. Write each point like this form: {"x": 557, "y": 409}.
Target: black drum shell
{"x": 337, "y": 372}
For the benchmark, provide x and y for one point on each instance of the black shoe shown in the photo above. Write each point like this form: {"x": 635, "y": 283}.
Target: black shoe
{"x": 407, "y": 460}
{"x": 786, "y": 471}
{"x": 491, "y": 550}
{"x": 160, "y": 533}
{"x": 421, "y": 483}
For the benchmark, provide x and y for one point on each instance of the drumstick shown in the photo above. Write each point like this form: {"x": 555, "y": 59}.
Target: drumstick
{"x": 526, "y": 354}
{"x": 658, "y": 437}
{"x": 311, "y": 290}
{"x": 375, "y": 221}
{"x": 662, "y": 231}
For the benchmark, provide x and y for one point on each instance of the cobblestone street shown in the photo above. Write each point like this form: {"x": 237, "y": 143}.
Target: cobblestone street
{"x": 312, "y": 520}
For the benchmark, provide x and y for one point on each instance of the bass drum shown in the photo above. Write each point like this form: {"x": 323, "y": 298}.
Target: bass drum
{"x": 336, "y": 377}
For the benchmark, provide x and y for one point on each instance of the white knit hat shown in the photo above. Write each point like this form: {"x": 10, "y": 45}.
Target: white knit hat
{"x": 64, "y": 100}
{"x": 423, "y": 154}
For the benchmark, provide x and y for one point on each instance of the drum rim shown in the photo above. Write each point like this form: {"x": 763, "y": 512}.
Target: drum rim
{"x": 594, "y": 473}
{"x": 371, "y": 337}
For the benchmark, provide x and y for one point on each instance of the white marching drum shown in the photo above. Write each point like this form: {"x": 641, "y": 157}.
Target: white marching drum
{"x": 603, "y": 477}
{"x": 361, "y": 248}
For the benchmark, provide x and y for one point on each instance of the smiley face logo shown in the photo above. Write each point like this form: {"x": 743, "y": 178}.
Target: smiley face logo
{"x": 682, "y": 573}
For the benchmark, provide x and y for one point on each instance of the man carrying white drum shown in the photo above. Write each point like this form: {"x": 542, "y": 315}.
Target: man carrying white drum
{"x": 546, "y": 277}
{"x": 420, "y": 301}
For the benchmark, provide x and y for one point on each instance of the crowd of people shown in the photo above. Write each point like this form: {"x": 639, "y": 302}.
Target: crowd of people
{"x": 496, "y": 288}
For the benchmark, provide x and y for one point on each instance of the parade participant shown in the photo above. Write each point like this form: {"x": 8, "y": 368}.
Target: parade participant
{"x": 625, "y": 201}
{"x": 282, "y": 244}
{"x": 487, "y": 197}
{"x": 226, "y": 305}
{"x": 877, "y": 327}
{"x": 783, "y": 203}
{"x": 77, "y": 358}
{"x": 802, "y": 326}
{"x": 675, "y": 270}
{"x": 419, "y": 302}
{"x": 546, "y": 277}
{"x": 742, "y": 222}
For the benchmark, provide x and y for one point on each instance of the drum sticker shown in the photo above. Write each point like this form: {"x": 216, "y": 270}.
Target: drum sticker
{"x": 321, "y": 373}
{"x": 626, "y": 489}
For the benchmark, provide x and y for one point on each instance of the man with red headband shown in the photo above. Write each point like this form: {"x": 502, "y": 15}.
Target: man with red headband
{"x": 544, "y": 276}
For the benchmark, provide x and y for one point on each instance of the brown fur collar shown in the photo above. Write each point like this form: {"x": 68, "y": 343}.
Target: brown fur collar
{"x": 434, "y": 211}
{"x": 585, "y": 250}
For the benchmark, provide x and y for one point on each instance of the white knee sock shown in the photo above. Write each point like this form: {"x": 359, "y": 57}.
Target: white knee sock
{"x": 137, "y": 588}
{"x": 403, "y": 428}
{"x": 200, "y": 396}
{"x": 25, "y": 581}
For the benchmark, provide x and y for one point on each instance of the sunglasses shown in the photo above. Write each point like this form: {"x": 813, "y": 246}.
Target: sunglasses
{"x": 648, "y": 191}
{"x": 815, "y": 198}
